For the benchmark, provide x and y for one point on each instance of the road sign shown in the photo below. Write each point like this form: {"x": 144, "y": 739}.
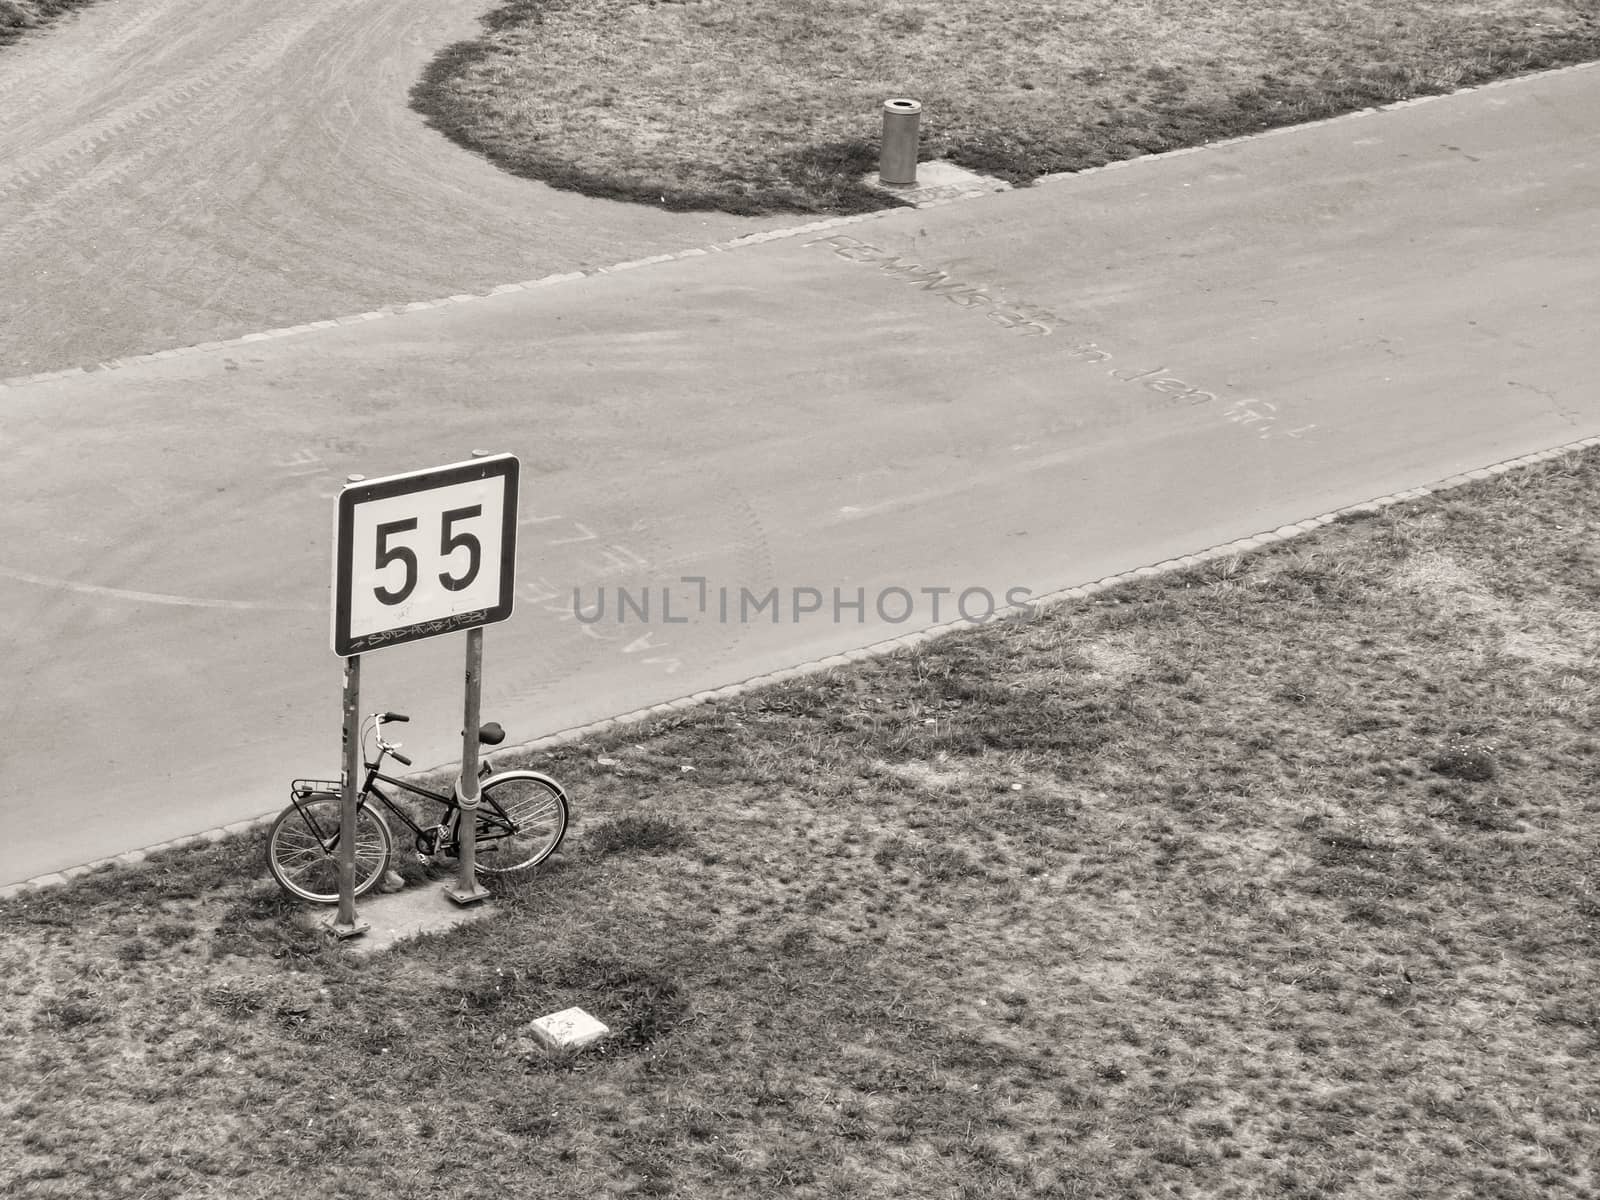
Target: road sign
{"x": 424, "y": 553}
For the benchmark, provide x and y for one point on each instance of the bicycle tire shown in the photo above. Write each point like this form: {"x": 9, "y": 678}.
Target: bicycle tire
{"x": 302, "y": 867}
{"x": 521, "y": 819}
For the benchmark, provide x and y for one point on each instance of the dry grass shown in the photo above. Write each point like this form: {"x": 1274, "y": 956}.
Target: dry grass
{"x": 773, "y": 105}
{"x": 1277, "y": 878}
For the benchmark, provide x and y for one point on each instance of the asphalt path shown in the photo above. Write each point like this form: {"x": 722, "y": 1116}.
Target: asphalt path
{"x": 1022, "y": 392}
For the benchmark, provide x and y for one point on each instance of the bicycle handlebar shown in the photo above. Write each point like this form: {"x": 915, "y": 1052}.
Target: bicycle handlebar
{"x": 490, "y": 735}
{"x": 385, "y": 747}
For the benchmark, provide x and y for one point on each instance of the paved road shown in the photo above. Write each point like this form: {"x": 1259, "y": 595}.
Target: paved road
{"x": 1234, "y": 339}
{"x": 175, "y": 171}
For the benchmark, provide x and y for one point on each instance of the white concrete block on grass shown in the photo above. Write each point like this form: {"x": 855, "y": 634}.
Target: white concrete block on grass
{"x": 570, "y": 1029}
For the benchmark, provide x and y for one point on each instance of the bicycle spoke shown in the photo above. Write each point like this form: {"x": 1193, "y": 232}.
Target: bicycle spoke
{"x": 521, "y": 821}
{"x": 307, "y": 866}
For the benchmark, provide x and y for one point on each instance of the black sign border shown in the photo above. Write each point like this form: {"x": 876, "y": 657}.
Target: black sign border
{"x": 505, "y": 465}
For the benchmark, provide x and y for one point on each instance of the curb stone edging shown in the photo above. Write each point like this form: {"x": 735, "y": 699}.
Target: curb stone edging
{"x": 1282, "y": 533}
{"x": 401, "y": 307}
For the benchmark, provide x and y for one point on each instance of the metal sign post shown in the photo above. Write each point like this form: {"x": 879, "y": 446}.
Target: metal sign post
{"x": 344, "y": 924}
{"x": 467, "y": 889}
{"x": 418, "y": 555}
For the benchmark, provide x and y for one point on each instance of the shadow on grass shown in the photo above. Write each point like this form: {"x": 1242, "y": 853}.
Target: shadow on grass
{"x": 641, "y": 1001}
{"x": 827, "y": 178}
{"x": 823, "y": 179}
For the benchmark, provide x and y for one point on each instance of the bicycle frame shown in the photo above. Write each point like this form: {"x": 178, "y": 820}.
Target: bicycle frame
{"x": 489, "y": 813}
{"x": 517, "y": 821}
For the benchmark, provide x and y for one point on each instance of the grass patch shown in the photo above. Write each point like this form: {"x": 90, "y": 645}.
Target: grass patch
{"x": 646, "y": 833}
{"x": 1272, "y": 878}
{"x": 761, "y": 106}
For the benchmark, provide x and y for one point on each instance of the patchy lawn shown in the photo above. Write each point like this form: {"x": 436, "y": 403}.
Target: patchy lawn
{"x": 1273, "y": 878}
{"x": 755, "y": 106}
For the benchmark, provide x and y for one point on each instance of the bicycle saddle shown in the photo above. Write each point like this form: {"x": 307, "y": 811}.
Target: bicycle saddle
{"x": 491, "y": 734}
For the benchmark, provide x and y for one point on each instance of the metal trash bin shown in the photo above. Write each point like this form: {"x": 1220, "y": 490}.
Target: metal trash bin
{"x": 897, "y": 156}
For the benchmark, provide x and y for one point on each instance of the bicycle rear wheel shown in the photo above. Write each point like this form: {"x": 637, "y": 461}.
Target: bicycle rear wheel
{"x": 521, "y": 819}
{"x": 303, "y": 849}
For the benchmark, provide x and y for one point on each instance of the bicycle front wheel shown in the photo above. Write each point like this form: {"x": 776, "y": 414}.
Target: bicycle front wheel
{"x": 303, "y": 849}
{"x": 522, "y": 817}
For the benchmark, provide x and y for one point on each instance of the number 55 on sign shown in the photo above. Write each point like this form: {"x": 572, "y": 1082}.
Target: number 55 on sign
{"x": 424, "y": 553}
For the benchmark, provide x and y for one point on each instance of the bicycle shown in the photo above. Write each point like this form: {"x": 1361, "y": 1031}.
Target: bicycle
{"x": 521, "y": 819}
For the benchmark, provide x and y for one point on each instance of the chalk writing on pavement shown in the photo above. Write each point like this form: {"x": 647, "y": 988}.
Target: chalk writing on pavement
{"x": 1259, "y": 418}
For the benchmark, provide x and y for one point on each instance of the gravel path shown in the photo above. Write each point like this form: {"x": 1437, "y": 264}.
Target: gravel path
{"x": 176, "y": 171}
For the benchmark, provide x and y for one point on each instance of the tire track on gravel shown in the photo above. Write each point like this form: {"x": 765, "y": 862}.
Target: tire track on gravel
{"x": 218, "y": 89}
{"x": 186, "y": 172}
{"x": 113, "y": 28}
{"x": 81, "y": 140}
